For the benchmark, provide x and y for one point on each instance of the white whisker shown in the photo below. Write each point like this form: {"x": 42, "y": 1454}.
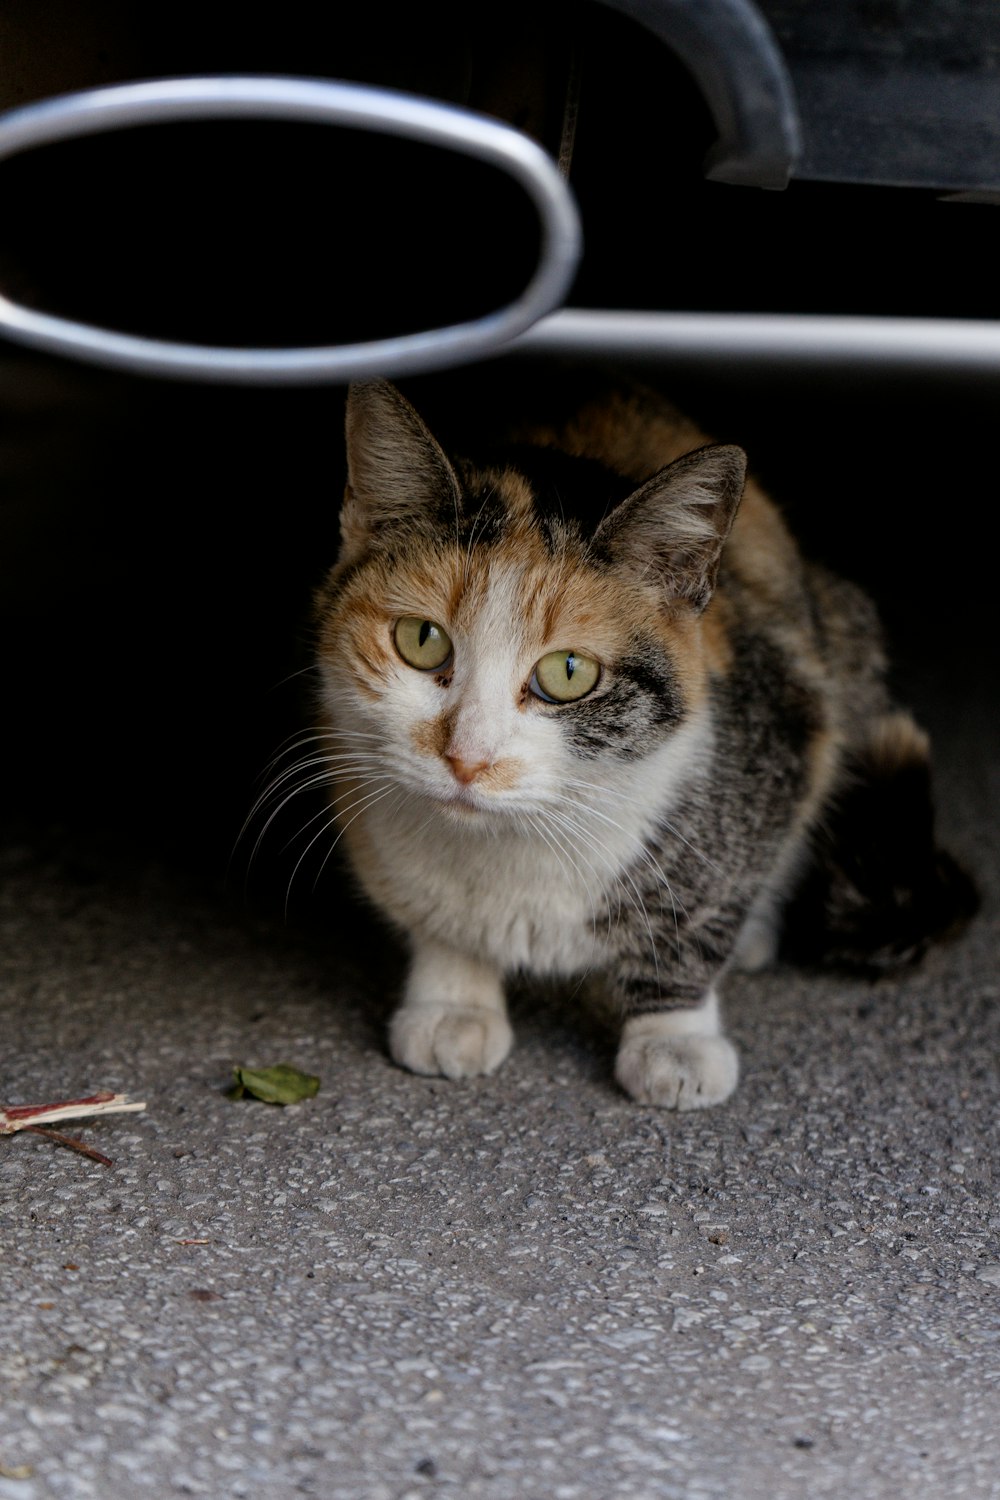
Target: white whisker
{"x": 371, "y": 801}
{"x": 368, "y": 799}
{"x": 646, "y": 857}
{"x": 660, "y": 819}
{"x": 622, "y": 877}
{"x": 563, "y": 854}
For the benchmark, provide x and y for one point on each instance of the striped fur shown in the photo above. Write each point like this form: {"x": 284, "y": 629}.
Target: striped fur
{"x": 648, "y": 833}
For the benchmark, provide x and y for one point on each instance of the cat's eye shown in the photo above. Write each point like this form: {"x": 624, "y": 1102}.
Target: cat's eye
{"x": 564, "y": 676}
{"x": 421, "y": 643}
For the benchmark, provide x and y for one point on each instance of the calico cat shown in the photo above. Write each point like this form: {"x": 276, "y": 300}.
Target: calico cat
{"x": 584, "y": 708}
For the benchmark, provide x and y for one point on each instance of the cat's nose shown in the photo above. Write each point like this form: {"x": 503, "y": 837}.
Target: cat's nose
{"x": 466, "y": 771}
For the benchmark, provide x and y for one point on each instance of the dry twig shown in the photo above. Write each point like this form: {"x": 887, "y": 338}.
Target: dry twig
{"x": 38, "y": 1117}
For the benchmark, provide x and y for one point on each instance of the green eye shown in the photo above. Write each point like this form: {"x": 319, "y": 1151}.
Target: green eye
{"x": 564, "y": 676}
{"x": 421, "y": 643}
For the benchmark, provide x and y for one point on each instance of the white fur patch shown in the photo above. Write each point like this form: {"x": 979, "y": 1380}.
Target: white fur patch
{"x": 453, "y": 1019}
{"x": 678, "y": 1059}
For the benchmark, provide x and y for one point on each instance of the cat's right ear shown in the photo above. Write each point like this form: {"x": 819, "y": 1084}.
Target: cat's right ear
{"x": 397, "y": 473}
{"x": 674, "y": 527}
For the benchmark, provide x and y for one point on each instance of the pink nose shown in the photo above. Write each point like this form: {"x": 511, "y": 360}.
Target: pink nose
{"x": 466, "y": 771}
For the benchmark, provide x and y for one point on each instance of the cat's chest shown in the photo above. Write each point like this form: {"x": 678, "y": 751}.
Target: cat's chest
{"x": 522, "y": 900}
{"x": 545, "y": 888}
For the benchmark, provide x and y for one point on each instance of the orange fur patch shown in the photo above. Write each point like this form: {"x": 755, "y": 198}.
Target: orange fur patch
{"x": 515, "y": 491}
{"x": 431, "y": 736}
{"x": 633, "y": 436}
{"x": 716, "y": 627}
{"x": 898, "y": 741}
{"x": 503, "y": 775}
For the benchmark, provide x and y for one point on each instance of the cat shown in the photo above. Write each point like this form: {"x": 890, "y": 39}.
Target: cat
{"x": 585, "y": 709}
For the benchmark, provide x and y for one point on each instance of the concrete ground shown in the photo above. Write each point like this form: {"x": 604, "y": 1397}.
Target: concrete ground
{"x": 525, "y": 1286}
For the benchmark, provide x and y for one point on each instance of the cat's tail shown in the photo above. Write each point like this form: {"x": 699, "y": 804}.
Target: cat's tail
{"x": 878, "y": 891}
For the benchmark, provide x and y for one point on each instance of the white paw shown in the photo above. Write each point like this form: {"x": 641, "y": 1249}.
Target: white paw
{"x": 683, "y": 1072}
{"x": 458, "y": 1042}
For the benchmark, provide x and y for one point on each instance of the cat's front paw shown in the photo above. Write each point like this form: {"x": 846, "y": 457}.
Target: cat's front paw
{"x": 683, "y": 1072}
{"x": 453, "y": 1041}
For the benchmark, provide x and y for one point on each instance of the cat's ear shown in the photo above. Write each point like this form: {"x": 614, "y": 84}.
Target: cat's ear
{"x": 673, "y": 527}
{"x": 397, "y": 473}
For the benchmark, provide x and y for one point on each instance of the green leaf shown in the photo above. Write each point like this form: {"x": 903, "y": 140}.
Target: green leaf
{"x": 282, "y": 1084}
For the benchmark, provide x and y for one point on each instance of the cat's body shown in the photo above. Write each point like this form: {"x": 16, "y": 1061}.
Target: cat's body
{"x": 580, "y": 720}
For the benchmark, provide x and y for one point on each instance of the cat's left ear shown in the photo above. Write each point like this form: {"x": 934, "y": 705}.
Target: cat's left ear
{"x": 397, "y": 473}
{"x": 674, "y": 527}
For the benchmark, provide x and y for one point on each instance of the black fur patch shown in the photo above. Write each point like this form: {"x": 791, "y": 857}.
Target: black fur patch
{"x": 331, "y": 588}
{"x": 642, "y": 704}
{"x": 647, "y": 670}
{"x": 640, "y": 994}
{"x": 484, "y": 517}
{"x": 879, "y": 891}
{"x": 568, "y": 491}
{"x": 767, "y": 714}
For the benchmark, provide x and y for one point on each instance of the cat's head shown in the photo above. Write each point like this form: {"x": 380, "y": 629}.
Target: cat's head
{"x": 480, "y": 644}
